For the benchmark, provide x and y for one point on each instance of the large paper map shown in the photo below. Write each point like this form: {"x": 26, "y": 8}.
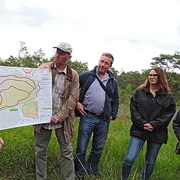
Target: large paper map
{"x": 25, "y": 96}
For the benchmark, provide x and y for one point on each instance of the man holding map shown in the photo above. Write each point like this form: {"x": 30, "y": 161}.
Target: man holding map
{"x": 65, "y": 93}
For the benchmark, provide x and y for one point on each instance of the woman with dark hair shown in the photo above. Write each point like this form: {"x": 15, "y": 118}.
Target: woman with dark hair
{"x": 152, "y": 107}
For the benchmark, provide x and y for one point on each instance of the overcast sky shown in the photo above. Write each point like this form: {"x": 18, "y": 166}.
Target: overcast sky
{"x": 134, "y": 31}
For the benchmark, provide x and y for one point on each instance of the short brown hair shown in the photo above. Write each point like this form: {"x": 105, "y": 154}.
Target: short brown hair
{"x": 109, "y": 55}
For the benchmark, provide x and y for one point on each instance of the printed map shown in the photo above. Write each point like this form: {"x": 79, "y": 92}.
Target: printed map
{"x": 25, "y": 96}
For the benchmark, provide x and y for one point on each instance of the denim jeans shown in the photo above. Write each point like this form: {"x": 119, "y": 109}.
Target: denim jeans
{"x": 90, "y": 125}
{"x": 135, "y": 145}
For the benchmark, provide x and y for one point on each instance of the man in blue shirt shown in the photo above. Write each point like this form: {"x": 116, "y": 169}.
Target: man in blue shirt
{"x": 97, "y": 106}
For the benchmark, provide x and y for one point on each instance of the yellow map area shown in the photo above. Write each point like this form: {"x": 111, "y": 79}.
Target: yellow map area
{"x": 29, "y": 110}
{"x": 15, "y": 90}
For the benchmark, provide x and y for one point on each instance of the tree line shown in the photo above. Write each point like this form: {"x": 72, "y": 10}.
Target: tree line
{"x": 128, "y": 81}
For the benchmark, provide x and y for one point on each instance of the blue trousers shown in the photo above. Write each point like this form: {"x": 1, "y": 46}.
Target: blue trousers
{"x": 96, "y": 127}
{"x": 135, "y": 145}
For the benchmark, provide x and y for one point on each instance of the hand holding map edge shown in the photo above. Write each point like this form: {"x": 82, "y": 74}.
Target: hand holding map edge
{"x": 44, "y": 66}
{"x": 54, "y": 120}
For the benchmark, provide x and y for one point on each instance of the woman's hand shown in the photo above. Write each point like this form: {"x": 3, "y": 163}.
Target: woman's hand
{"x": 148, "y": 127}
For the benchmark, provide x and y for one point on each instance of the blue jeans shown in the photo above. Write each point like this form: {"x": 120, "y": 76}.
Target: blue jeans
{"x": 90, "y": 125}
{"x": 135, "y": 145}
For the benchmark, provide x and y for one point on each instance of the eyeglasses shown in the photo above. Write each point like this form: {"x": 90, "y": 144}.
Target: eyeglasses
{"x": 61, "y": 53}
{"x": 154, "y": 75}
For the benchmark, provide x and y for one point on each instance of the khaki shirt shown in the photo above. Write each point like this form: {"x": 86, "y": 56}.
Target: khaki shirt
{"x": 70, "y": 97}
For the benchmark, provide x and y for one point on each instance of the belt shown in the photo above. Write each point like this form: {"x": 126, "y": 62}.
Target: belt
{"x": 94, "y": 114}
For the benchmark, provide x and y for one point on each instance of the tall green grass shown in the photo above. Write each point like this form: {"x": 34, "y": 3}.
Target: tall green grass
{"x": 17, "y": 157}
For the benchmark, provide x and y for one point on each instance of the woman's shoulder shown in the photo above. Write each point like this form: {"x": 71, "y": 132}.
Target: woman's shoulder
{"x": 141, "y": 90}
{"x": 167, "y": 95}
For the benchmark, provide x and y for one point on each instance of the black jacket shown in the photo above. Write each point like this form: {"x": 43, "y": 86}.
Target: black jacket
{"x": 176, "y": 125}
{"x": 158, "y": 111}
{"x": 110, "y": 108}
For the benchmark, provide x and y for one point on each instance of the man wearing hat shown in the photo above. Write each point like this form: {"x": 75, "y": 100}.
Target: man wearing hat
{"x": 65, "y": 92}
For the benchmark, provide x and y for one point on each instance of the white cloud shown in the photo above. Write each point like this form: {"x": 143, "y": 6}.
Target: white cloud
{"x": 12, "y": 5}
{"x": 133, "y": 31}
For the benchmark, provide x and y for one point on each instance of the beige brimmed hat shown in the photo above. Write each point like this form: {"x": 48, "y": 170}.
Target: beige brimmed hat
{"x": 64, "y": 46}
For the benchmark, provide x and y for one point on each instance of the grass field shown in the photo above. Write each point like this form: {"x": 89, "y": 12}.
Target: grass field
{"x": 17, "y": 156}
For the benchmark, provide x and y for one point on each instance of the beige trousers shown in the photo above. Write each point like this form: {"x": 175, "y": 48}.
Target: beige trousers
{"x": 66, "y": 154}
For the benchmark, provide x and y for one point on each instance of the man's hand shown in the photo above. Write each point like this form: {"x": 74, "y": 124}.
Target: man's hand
{"x": 110, "y": 119}
{"x": 54, "y": 119}
{"x": 44, "y": 66}
{"x": 80, "y": 108}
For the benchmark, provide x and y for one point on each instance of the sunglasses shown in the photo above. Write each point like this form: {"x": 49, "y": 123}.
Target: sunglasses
{"x": 154, "y": 75}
